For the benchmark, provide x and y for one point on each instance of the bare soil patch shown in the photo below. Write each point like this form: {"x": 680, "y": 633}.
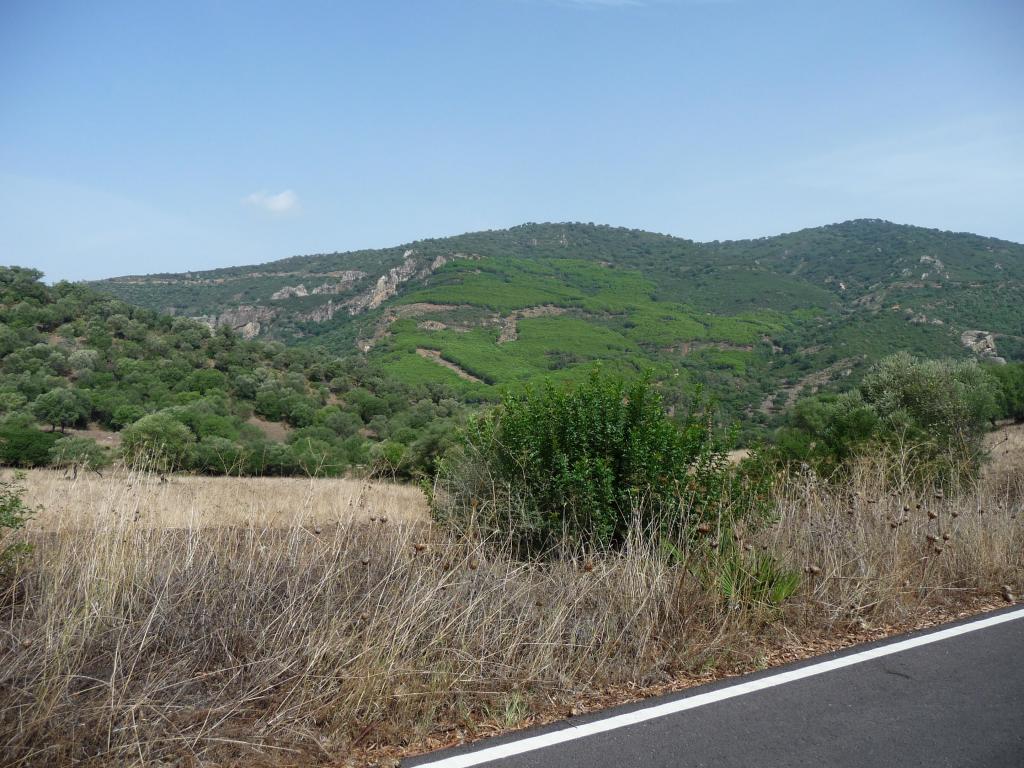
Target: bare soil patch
{"x": 104, "y": 437}
{"x": 510, "y": 323}
{"x": 462, "y": 373}
{"x": 273, "y": 430}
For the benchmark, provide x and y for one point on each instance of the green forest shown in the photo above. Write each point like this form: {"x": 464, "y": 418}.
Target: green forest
{"x": 325, "y": 364}
{"x": 754, "y": 322}
{"x": 77, "y": 364}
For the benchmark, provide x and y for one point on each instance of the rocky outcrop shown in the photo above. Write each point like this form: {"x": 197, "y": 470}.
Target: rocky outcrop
{"x": 289, "y": 292}
{"x": 983, "y": 344}
{"x": 387, "y": 284}
{"x": 344, "y": 283}
{"x": 323, "y": 313}
{"x": 934, "y": 265}
{"x": 248, "y": 321}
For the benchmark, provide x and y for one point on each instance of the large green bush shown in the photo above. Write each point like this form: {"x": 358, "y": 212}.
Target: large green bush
{"x": 933, "y": 412}
{"x": 158, "y": 441}
{"x": 939, "y": 410}
{"x": 74, "y": 453}
{"x": 1010, "y": 396}
{"x": 588, "y": 465}
{"x": 23, "y": 445}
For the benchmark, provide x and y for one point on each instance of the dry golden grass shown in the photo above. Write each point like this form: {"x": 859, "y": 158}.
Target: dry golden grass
{"x": 142, "y": 641}
{"x": 1006, "y": 450}
{"x": 185, "y": 501}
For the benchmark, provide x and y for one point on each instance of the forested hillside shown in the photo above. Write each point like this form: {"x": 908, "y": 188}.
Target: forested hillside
{"x": 756, "y": 321}
{"x": 83, "y": 374}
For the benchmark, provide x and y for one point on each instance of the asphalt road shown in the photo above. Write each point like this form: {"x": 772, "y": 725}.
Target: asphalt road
{"x": 950, "y": 696}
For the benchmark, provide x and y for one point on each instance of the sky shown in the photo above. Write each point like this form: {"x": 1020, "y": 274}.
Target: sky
{"x": 140, "y": 137}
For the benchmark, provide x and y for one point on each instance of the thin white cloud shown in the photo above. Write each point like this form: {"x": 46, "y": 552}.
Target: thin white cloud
{"x": 277, "y": 204}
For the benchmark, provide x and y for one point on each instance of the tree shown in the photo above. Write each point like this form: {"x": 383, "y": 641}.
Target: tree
{"x": 60, "y": 408}
{"x": 935, "y": 412}
{"x": 159, "y": 442}
{"x": 940, "y": 407}
{"x": 74, "y": 453}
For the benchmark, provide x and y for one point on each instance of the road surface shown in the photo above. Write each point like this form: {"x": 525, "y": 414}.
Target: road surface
{"x": 950, "y": 696}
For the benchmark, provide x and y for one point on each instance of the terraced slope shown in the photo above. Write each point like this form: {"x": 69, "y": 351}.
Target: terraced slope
{"x": 757, "y": 321}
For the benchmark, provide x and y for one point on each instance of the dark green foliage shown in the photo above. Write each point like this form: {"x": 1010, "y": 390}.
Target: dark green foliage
{"x": 1010, "y": 396}
{"x": 13, "y": 516}
{"x": 828, "y": 430}
{"x": 158, "y": 441}
{"x": 74, "y": 357}
{"x": 76, "y": 453}
{"x": 61, "y": 408}
{"x": 587, "y": 464}
{"x": 23, "y": 445}
{"x": 754, "y": 578}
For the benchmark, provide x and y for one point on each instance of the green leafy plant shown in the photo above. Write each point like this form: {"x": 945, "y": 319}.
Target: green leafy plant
{"x": 158, "y": 441}
{"x": 933, "y": 412}
{"x": 755, "y": 578}
{"x": 75, "y": 453}
{"x": 13, "y": 516}
{"x": 586, "y": 465}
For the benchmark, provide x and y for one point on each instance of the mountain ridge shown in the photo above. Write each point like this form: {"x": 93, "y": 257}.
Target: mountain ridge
{"x": 757, "y": 320}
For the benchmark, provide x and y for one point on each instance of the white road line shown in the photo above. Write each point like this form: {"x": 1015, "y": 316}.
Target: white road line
{"x": 531, "y": 743}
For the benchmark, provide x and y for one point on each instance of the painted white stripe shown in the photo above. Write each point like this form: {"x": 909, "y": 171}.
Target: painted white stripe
{"x": 531, "y": 743}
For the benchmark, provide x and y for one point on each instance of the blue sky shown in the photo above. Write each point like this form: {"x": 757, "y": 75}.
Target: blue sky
{"x": 169, "y": 136}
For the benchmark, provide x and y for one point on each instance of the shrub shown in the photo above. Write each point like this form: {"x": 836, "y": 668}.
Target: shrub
{"x": 60, "y": 408}
{"x": 941, "y": 409}
{"x": 1010, "y": 395}
{"x": 827, "y": 431}
{"x": 158, "y": 441}
{"x": 23, "y": 445}
{"x": 934, "y": 413}
{"x": 216, "y": 455}
{"x": 584, "y": 466}
{"x": 76, "y": 453}
{"x": 13, "y": 515}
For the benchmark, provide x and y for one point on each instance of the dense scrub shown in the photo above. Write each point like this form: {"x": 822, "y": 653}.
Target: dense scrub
{"x": 934, "y": 412}
{"x": 586, "y": 465}
{"x": 751, "y": 320}
{"x": 184, "y": 396}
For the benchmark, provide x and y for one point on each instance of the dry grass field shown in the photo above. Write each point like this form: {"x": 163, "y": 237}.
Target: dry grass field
{"x": 291, "y": 622}
{"x": 186, "y": 501}
{"x": 1006, "y": 452}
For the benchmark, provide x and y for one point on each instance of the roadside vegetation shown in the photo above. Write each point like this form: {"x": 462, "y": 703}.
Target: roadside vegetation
{"x": 583, "y": 548}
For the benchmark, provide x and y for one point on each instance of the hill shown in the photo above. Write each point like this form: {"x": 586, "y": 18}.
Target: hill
{"x": 755, "y": 321}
